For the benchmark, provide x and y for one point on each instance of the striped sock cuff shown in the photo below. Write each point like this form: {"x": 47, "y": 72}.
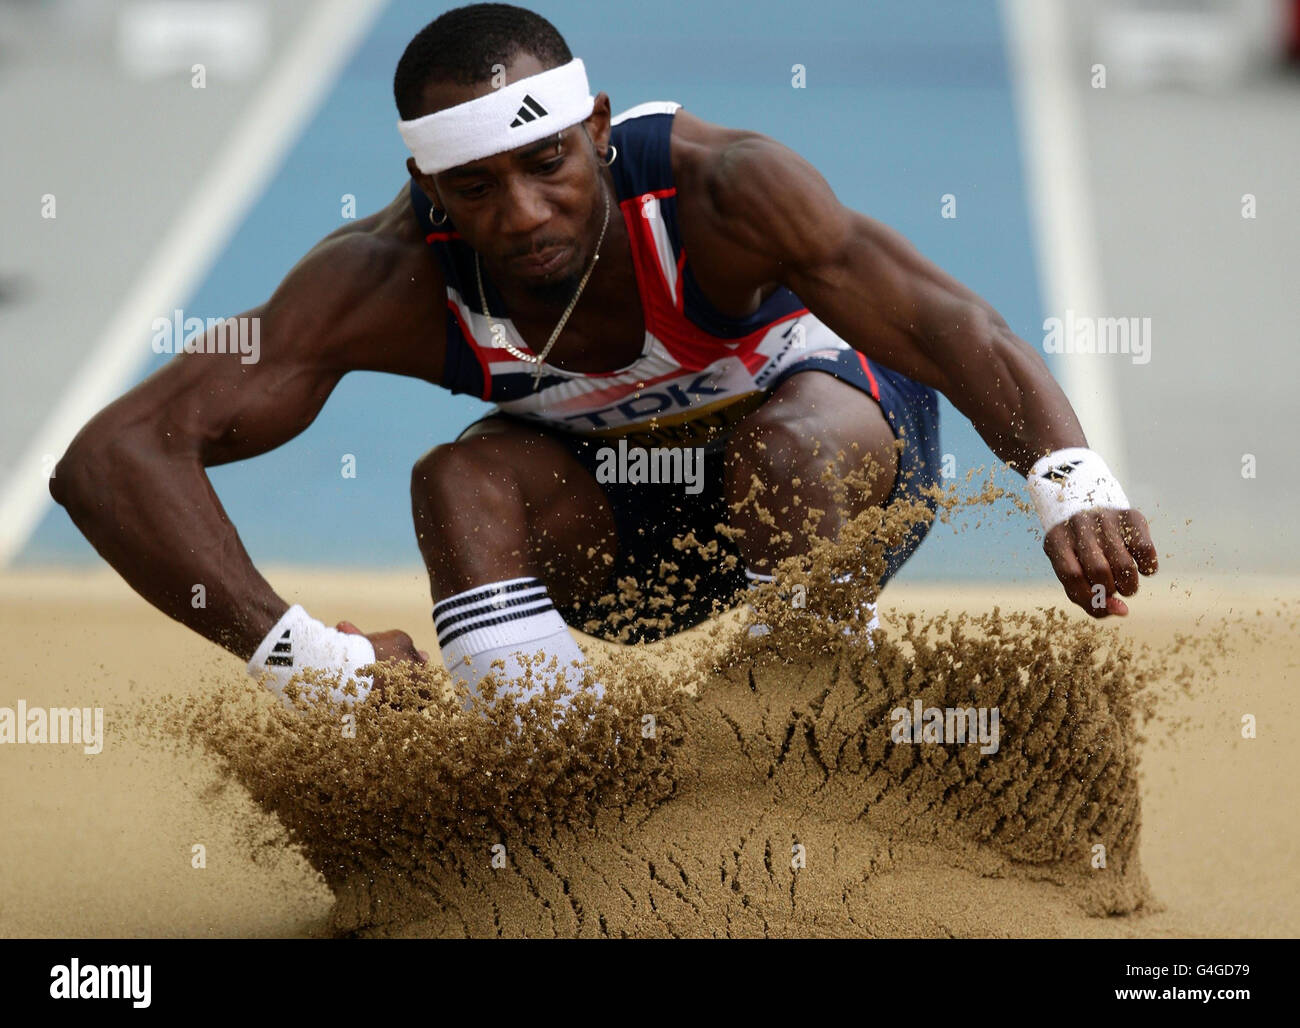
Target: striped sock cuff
{"x": 518, "y": 610}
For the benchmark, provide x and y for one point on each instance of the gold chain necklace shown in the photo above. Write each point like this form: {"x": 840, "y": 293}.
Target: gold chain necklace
{"x": 499, "y": 330}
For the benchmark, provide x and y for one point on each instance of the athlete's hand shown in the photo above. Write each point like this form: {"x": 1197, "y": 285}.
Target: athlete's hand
{"x": 1099, "y": 553}
{"x": 393, "y": 644}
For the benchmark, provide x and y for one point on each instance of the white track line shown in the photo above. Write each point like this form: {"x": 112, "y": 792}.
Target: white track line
{"x": 244, "y": 165}
{"x": 1051, "y": 121}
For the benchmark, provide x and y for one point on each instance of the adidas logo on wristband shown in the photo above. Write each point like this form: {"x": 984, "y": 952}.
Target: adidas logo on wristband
{"x": 282, "y": 651}
{"x": 298, "y": 642}
{"x": 1070, "y": 481}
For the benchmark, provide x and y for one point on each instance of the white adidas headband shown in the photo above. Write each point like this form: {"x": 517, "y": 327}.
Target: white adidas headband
{"x": 517, "y": 114}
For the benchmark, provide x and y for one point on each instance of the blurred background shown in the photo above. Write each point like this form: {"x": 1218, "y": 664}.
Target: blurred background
{"x": 1114, "y": 158}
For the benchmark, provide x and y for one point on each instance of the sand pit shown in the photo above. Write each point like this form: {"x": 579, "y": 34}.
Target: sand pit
{"x": 910, "y": 844}
{"x": 766, "y": 795}
{"x": 766, "y": 787}
{"x": 959, "y": 773}
{"x": 781, "y": 808}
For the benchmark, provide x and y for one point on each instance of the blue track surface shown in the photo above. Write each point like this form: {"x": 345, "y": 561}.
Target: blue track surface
{"x": 902, "y": 105}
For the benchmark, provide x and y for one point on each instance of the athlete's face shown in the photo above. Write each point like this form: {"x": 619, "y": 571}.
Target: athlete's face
{"x": 534, "y": 213}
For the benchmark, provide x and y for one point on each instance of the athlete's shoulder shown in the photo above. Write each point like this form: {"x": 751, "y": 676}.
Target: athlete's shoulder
{"x": 373, "y": 291}
{"x": 385, "y": 244}
{"x": 704, "y": 154}
{"x": 666, "y": 144}
{"x": 730, "y": 184}
{"x": 381, "y": 261}
{"x": 707, "y": 157}
{"x": 743, "y": 176}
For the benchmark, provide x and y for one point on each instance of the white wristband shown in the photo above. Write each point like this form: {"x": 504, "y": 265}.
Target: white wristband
{"x": 299, "y": 641}
{"x": 1070, "y": 481}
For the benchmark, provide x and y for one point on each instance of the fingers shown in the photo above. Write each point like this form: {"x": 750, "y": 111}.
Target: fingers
{"x": 408, "y": 650}
{"x": 1081, "y": 566}
{"x": 1059, "y": 546}
{"x": 1123, "y": 569}
{"x": 390, "y": 645}
{"x": 1099, "y": 557}
{"x": 1088, "y": 548}
{"x": 396, "y": 644}
{"x": 1137, "y": 538}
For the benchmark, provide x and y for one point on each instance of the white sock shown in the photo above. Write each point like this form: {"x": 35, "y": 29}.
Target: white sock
{"x": 504, "y": 621}
{"x": 756, "y": 578}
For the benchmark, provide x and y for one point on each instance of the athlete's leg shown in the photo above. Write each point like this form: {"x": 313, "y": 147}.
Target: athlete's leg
{"x": 796, "y": 433}
{"x": 510, "y": 524}
{"x": 507, "y": 500}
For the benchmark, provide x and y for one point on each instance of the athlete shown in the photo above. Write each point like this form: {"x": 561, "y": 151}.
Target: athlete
{"x": 647, "y": 281}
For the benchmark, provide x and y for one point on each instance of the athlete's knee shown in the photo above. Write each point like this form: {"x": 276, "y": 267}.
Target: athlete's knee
{"x": 468, "y": 474}
{"x": 434, "y": 472}
{"x": 774, "y": 445}
{"x": 786, "y": 442}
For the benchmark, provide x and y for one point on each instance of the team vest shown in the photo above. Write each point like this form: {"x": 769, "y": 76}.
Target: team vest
{"x": 699, "y": 370}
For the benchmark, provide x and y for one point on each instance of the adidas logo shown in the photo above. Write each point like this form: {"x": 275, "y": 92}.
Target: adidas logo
{"x": 530, "y": 111}
{"x": 1062, "y": 471}
{"x": 281, "y": 652}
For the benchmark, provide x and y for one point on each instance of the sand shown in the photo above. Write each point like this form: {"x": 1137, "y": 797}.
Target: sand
{"x": 769, "y": 802}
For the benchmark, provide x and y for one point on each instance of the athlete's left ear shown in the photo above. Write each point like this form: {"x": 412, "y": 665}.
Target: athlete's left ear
{"x": 597, "y": 126}
{"x": 424, "y": 181}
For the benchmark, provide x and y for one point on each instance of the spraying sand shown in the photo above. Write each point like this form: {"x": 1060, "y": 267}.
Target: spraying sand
{"x": 726, "y": 785}
{"x": 774, "y": 786}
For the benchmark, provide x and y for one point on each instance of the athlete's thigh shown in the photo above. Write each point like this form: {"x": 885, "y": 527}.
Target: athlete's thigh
{"x": 807, "y": 420}
{"x": 570, "y": 523}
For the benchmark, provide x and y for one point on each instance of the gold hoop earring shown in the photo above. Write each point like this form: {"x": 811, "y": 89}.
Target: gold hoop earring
{"x": 612, "y": 154}
{"x": 437, "y": 223}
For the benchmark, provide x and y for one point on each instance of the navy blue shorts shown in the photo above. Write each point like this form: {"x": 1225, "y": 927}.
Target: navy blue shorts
{"x": 648, "y": 519}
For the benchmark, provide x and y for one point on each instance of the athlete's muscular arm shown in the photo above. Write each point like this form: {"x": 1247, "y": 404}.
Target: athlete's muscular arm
{"x": 873, "y": 289}
{"x": 134, "y": 482}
